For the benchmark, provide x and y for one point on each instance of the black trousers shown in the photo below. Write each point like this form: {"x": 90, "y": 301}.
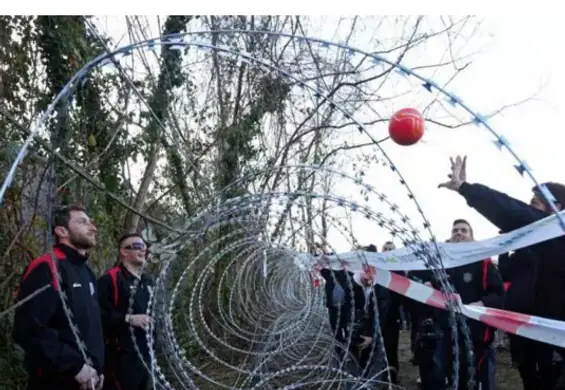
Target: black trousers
{"x": 52, "y": 384}
{"x": 51, "y": 381}
{"x": 534, "y": 361}
{"x": 125, "y": 371}
{"x": 339, "y": 322}
{"x": 391, "y": 336}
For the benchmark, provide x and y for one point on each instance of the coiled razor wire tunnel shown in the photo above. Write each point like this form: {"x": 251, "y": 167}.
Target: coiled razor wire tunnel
{"x": 264, "y": 325}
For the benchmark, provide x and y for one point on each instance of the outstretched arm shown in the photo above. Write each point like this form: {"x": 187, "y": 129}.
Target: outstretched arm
{"x": 500, "y": 209}
{"x": 503, "y": 211}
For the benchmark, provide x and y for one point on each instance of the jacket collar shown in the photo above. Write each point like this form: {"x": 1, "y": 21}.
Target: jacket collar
{"x": 66, "y": 252}
{"x": 129, "y": 276}
{"x": 357, "y": 279}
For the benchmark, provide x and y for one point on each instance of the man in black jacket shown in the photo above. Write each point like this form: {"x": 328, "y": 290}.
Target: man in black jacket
{"x": 477, "y": 284}
{"x": 371, "y": 303}
{"x": 41, "y": 325}
{"x": 533, "y": 359}
{"x": 338, "y": 299}
{"x": 392, "y": 323}
{"x": 423, "y": 335}
{"x": 351, "y": 302}
{"x": 509, "y": 214}
{"x": 125, "y": 370}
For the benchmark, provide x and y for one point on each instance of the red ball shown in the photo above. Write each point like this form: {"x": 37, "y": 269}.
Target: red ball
{"x": 406, "y": 127}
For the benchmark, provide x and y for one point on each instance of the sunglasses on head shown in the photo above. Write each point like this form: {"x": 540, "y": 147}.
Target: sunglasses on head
{"x": 136, "y": 246}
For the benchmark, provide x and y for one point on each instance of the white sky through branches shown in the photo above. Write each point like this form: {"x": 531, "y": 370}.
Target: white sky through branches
{"x": 509, "y": 63}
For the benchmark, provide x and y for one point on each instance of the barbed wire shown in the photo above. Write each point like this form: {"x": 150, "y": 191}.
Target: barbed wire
{"x": 275, "y": 324}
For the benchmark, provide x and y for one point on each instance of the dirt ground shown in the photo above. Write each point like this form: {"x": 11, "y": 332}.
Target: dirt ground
{"x": 507, "y": 378}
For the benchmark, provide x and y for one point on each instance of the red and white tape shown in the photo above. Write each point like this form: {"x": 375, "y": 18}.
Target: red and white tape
{"x": 532, "y": 327}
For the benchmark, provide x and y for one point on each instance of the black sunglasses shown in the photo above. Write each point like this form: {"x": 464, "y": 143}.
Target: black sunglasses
{"x": 136, "y": 246}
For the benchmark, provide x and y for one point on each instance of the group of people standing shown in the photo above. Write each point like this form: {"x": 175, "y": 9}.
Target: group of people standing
{"x": 83, "y": 341}
{"x": 430, "y": 330}
{"x": 355, "y": 307}
{"x": 527, "y": 281}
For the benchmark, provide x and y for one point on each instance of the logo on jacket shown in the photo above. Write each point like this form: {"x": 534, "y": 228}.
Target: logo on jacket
{"x": 468, "y": 277}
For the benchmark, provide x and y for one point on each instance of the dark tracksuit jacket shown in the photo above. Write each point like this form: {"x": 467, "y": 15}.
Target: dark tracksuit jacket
{"x": 365, "y": 319}
{"x": 339, "y": 315}
{"x": 333, "y": 278}
{"x": 542, "y": 288}
{"x": 509, "y": 214}
{"x": 41, "y": 326}
{"x": 534, "y": 359}
{"x": 382, "y": 296}
{"x": 519, "y": 270}
{"x": 354, "y": 294}
{"x": 124, "y": 369}
{"x": 391, "y": 328}
{"x": 418, "y": 311}
{"x": 474, "y": 282}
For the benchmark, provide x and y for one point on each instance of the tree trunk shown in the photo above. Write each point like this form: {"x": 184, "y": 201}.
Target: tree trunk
{"x": 169, "y": 78}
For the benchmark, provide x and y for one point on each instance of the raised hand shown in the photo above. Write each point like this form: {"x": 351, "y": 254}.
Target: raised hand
{"x": 458, "y": 174}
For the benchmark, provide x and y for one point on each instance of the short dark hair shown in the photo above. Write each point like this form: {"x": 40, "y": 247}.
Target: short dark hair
{"x": 129, "y": 235}
{"x": 370, "y": 248}
{"x": 62, "y": 216}
{"x": 461, "y": 220}
{"x": 120, "y": 242}
{"x": 556, "y": 189}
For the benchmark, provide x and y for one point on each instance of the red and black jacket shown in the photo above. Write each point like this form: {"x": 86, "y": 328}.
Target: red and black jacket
{"x": 41, "y": 326}
{"x": 114, "y": 289}
{"x": 475, "y": 282}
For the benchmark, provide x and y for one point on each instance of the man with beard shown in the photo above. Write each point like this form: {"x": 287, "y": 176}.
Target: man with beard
{"x": 41, "y": 326}
{"x": 125, "y": 368}
{"x": 541, "y": 265}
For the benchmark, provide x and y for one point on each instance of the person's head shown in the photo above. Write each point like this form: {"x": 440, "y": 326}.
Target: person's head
{"x": 388, "y": 246}
{"x": 133, "y": 249}
{"x": 368, "y": 275}
{"x": 558, "y": 192}
{"x": 72, "y": 227}
{"x": 317, "y": 249}
{"x": 461, "y": 231}
{"x": 322, "y": 249}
